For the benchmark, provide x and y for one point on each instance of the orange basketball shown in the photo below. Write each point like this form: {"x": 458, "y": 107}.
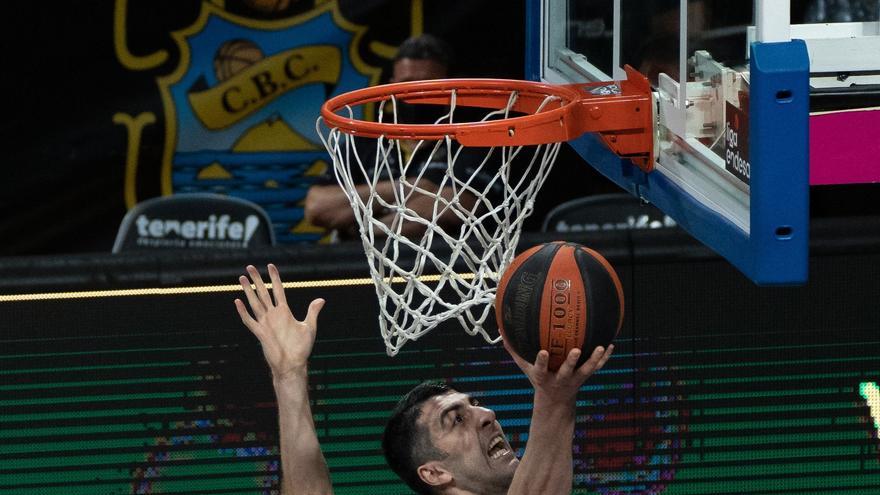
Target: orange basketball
{"x": 559, "y": 296}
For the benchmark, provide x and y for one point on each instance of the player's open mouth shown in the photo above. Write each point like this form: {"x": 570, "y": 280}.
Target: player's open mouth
{"x": 497, "y": 449}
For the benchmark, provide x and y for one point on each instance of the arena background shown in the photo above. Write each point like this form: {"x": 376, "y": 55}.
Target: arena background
{"x": 717, "y": 386}
{"x": 97, "y": 95}
{"x": 131, "y": 373}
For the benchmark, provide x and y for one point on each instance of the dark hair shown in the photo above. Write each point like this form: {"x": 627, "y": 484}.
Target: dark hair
{"x": 426, "y": 47}
{"x": 406, "y": 444}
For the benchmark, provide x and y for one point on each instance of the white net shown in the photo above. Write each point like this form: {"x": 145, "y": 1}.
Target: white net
{"x": 439, "y": 222}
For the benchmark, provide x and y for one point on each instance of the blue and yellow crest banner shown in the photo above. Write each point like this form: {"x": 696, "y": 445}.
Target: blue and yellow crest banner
{"x": 242, "y": 103}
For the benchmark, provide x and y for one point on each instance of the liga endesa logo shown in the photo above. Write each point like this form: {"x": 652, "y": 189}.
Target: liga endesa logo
{"x": 217, "y": 232}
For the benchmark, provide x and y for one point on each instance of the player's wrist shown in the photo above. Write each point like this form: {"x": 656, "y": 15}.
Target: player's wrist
{"x": 290, "y": 374}
{"x": 554, "y": 402}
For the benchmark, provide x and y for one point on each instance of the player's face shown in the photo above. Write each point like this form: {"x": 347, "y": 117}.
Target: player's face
{"x": 479, "y": 456}
{"x": 411, "y": 69}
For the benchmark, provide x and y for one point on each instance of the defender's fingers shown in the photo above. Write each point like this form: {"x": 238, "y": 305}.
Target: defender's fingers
{"x": 570, "y": 363}
{"x": 246, "y": 317}
{"x": 256, "y": 305}
{"x": 277, "y": 285}
{"x": 262, "y": 292}
{"x": 312, "y": 316}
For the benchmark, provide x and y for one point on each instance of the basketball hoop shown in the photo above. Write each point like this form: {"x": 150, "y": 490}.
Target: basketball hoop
{"x": 478, "y": 178}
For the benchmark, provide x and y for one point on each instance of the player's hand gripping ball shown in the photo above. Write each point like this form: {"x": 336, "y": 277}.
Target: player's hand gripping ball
{"x": 559, "y": 296}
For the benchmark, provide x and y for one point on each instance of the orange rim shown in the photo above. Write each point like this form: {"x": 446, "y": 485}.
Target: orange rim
{"x": 543, "y": 124}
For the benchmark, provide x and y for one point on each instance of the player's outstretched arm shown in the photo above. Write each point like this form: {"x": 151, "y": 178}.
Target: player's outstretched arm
{"x": 546, "y": 466}
{"x": 287, "y": 344}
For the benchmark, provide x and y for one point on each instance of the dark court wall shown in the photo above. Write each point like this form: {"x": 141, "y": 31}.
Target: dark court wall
{"x": 108, "y": 103}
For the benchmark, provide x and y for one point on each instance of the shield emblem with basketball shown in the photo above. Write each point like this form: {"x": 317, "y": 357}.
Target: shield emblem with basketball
{"x": 241, "y": 107}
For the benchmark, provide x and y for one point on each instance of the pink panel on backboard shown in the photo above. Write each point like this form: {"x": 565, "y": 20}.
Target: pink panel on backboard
{"x": 845, "y": 147}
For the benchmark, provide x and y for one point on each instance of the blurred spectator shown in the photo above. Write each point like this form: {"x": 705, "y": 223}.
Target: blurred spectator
{"x": 419, "y": 58}
{"x": 422, "y": 57}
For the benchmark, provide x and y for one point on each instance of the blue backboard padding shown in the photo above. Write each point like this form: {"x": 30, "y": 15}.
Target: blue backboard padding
{"x": 779, "y": 148}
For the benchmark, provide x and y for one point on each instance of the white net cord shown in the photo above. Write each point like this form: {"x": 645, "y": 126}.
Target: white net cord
{"x": 429, "y": 268}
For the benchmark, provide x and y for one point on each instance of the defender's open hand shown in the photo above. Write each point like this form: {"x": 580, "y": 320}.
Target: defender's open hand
{"x": 287, "y": 342}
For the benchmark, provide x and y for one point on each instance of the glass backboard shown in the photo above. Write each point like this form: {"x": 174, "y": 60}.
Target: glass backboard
{"x": 731, "y": 111}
